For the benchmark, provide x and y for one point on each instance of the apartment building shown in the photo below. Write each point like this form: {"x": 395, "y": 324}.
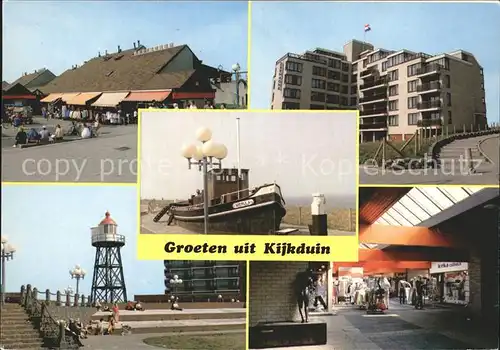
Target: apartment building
{"x": 317, "y": 79}
{"x": 205, "y": 279}
{"x": 399, "y": 92}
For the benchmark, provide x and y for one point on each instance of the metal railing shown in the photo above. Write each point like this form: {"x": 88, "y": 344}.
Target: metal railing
{"x": 373, "y": 111}
{"x": 430, "y": 122}
{"x": 433, "y": 85}
{"x": 54, "y": 332}
{"x": 373, "y": 97}
{"x": 373, "y": 83}
{"x": 430, "y": 68}
{"x": 429, "y": 104}
{"x": 374, "y": 125}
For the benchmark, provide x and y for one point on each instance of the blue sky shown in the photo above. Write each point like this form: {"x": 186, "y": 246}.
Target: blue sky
{"x": 50, "y": 226}
{"x": 59, "y": 34}
{"x": 279, "y": 28}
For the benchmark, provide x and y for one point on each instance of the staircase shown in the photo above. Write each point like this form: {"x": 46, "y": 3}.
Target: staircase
{"x": 453, "y": 155}
{"x": 16, "y": 330}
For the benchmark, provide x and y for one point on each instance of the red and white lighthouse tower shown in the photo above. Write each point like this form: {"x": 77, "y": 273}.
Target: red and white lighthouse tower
{"x": 108, "y": 282}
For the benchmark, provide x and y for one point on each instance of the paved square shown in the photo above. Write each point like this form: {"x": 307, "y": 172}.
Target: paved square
{"x": 111, "y": 157}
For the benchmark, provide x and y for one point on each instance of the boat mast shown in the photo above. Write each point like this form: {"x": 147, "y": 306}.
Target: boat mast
{"x": 238, "y": 159}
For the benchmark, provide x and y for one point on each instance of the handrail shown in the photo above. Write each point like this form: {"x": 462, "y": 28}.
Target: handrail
{"x": 53, "y": 332}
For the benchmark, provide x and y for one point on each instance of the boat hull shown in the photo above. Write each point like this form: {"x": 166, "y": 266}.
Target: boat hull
{"x": 260, "y": 215}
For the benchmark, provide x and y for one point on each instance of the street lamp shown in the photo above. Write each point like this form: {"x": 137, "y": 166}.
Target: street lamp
{"x": 175, "y": 282}
{"x": 78, "y": 273}
{"x": 237, "y": 75}
{"x": 203, "y": 156}
{"x": 68, "y": 290}
{"x": 7, "y": 254}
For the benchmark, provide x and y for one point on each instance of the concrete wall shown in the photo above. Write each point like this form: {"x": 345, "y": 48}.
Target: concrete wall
{"x": 66, "y": 312}
{"x": 272, "y": 297}
{"x": 226, "y": 93}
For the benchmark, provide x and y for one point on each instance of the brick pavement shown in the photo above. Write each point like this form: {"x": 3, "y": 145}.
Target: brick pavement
{"x": 402, "y": 327}
{"x": 109, "y": 158}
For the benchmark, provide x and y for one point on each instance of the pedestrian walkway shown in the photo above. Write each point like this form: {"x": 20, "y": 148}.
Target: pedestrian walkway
{"x": 401, "y": 327}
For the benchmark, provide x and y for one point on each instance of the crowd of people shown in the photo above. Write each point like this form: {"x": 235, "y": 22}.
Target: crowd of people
{"x": 44, "y": 136}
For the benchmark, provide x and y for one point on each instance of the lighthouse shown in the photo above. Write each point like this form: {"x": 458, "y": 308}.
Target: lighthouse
{"x": 108, "y": 282}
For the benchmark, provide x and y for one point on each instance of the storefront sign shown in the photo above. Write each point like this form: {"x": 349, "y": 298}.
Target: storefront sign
{"x": 440, "y": 267}
{"x": 280, "y": 77}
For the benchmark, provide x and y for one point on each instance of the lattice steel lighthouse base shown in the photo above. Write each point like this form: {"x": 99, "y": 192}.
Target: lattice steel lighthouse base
{"x": 108, "y": 282}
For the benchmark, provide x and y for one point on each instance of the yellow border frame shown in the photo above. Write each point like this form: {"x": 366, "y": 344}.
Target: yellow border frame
{"x": 153, "y": 243}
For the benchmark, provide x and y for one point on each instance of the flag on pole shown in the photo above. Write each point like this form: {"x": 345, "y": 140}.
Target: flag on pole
{"x": 367, "y": 28}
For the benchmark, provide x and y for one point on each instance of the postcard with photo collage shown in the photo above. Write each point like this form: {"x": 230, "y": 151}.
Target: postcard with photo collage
{"x": 236, "y": 175}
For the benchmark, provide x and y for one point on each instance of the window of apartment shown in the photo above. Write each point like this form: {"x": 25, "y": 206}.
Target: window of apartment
{"x": 354, "y": 67}
{"x": 337, "y": 64}
{"x": 291, "y": 93}
{"x": 412, "y": 69}
{"x": 354, "y": 90}
{"x": 345, "y": 78}
{"x": 393, "y": 90}
{"x": 482, "y": 85}
{"x": 294, "y": 66}
{"x": 354, "y": 78}
{"x": 413, "y": 118}
{"x": 318, "y": 84}
{"x": 447, "y": 81}
{"x": 412, "y": 102}
{"x": 448, "y": 99}
{"x": 333, "y": 87}
{"x": 412, "y": 85}
{"x": 345, "y": 67}
{"x": 316, "y": 107}
{"x": 344, "y": 101}
{"x": 290, "y": 105}
{"x": 393, "y": 75}
{"x": 334, "y": 99}
{"x": 393, "y": 120}
{"x": 481, "y": 71}
{"x": 384, "y": 66}
{"x": 354, "y": 102}
{"x": 344, "y": 89}
{"x": 450, "y": 121}
{"x": 274, "y": 84}
{"x": 318, "y": 96}
{"x": 483, "y": 100}
{"x": 393, "y": 105}
{"x": 321, "y": 71}
{"x": 443, "y": 62}
{"x": 333, "y": 75}
{"x": 293, "y": 79}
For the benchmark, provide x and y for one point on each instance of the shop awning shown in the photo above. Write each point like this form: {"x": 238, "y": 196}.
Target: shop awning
{"x": 148, "y": 96}
{"x": 81, "y": 99}
{"x": 51, "y": 98}
{"x": 110, "y": 99}
{"x": 68, "y": 96}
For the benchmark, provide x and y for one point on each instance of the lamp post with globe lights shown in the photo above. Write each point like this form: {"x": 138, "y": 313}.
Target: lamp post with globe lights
{"x": 7, "y": 253}
{"x": 77, "y": 273}
{"x": 174, "y": 282}
{"x": 237, "y": 75}
{"x": 207, "y": 156}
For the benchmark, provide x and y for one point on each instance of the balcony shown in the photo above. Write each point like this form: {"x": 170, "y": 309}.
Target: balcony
{"x": 429, "y": 87}
{"x": 373, "y": 125}
{"x": 374, "y": 97}
{"x": 374, "y": 84}
{"x": 429, "y": 105}
{"x": 368, "y": 72}
{"x": 373, "y": 111}
{"x": 429, "y": 122}
{"x": 429, "y": 69}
